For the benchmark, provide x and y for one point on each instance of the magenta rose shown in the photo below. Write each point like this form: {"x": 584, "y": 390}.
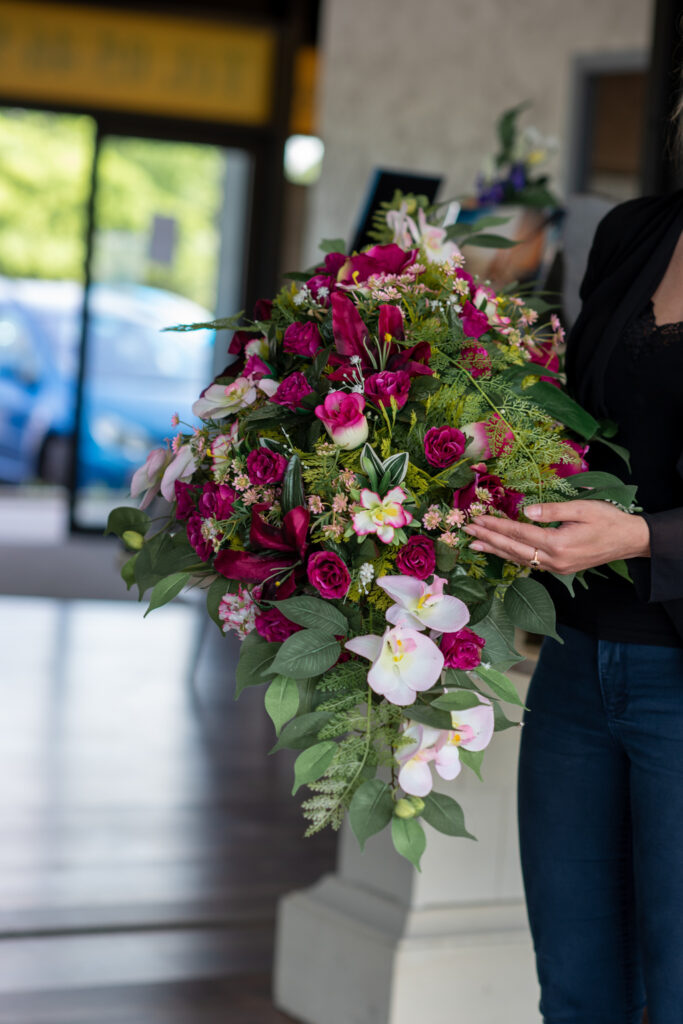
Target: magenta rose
{"x": 265, "y": 467}
{"x": 462, "y": 649}
{"x": 217, "y": 501}
{"x": 380, "y": 259}
{"x": 196, "y": 538}
{"x": 292, "y": 390}
{"x": 476, "y": 360}
{"x": 474, "y": 321}
{"x": 256, "y": 368}
{"x": 302, "y": 339}
{"x": 564, "y": 469}
{"x": 417, "y": 557}
{"x": 381, "y": 387}
{"x": 503, "y": 499}
{"x": 444, "y": 446}
{"x": 343, "y": 418}
{"x": 274, "y": 627}
{"x": 186, "y": 497}
{"x": 328, "y": 574}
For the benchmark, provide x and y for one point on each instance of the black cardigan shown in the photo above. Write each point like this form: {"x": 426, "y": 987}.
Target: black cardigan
{"x": 631, "y": 251}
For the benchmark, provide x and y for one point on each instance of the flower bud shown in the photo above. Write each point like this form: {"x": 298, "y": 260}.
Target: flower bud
{"x": 133, "y": 539}
{"x": 404, "y": 809}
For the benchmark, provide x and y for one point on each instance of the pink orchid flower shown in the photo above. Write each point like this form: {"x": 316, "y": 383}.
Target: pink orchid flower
{"x": 422, "y": 605}
{"x": 434, "y": 238}
{"x": 403, "y": 663}
{"x": 472, "y": 730}
{"x": 181, "y": 468}
{"x": 148, "y": 477}
{"x": 382, "y": 516}
{"x": 221, "y": 400}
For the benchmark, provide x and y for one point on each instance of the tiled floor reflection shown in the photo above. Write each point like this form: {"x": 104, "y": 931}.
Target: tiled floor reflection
{"x": 145, "y": 835}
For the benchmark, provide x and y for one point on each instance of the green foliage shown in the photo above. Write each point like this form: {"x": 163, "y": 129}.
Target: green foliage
{"x": 256, "y": 657}
{"x": 313, "y": 762}
{"x": 446, "y": 815}
{"x": 282, "y": 701}
{"x": 499, "y": 633}
{"x": 314, "y": 613}
{"x": 370, "y": 810}
{"x": 529, "y": 606}
{"x": 166, "y": 589}
{"x": 409, "y": 839}
{"x": 307, "y": 653}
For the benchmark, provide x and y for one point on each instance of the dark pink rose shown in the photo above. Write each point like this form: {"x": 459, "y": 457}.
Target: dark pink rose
{"x": 239, "y": 340}
{"x": 444, "y": 446}
{"x": 321, "y": 287}
{"x": 476, "y": 360}
{"x": 194, "y": 534}
{"x": 474, "y": 321}
{"x": 462, "y": 649}
{"x": 564, "y": 469}
{"x": 328, "y": 574}
{"x": 186, "y": 497}
{"x": 502, "y": 499}
{"x": 380, "y": 259}
{"x": 510, "y": 502}
{"x": 274, "y": 627}
{"x": 263, "y": 309}
{"x": 334, "y": 261}
{"x": 302, "y": 339}
{"x": 256, "y": 368}
{"x": 217, "y": 501}
{"x": 381, "y": 387}
{"x": 413, "y": 360}
{"x": 390, "y": 324}
{"x": 343, "y": 418}
{"x": 292, "y": 390}
{"x": 417, "y": 557}
{"x": 265, "y": 467}
{"x": 543, "y": 354}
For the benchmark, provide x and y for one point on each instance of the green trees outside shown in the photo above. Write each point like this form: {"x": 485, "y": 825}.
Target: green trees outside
{"x": 45, "y": 180}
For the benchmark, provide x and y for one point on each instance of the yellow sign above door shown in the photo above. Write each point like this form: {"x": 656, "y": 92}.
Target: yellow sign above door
{"x": 142, "y": 63}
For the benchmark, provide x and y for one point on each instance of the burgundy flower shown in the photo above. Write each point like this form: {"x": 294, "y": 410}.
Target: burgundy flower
{"x": 444, "y": 446}
{"x": 381, "y": 387}
{"x": 216, "y": 501}
{"x": 256, "y": 368}
{"x": 503, "y": 499}
{"x": 413, "y": 360}
{"x": 274, "y": 627}
{"x": 564, "y": 469}
{"x": 350, "y": 333}
{"x": 327, "y": 282}
{"x": 474, "y": 321}
{"x": 291, "y": 390}
{"x": 543, "y": 354}
{"x": 462, "y": 649}
{"x": 265, "y": 467}
{"x": 186, "y": 497}
{"x": 380, "y": 259}
{"x": 417, "y": 557}
{"x": 196, "y": 538}
{"x": 302, "y": 339}
{"x": 275, "y": 550}
{"x": 334, "y": 261}
{"x": 328, "y": 574}
{"x": 238, "y": 342}
{"x": 477, "y": 360}
{"x": 390, "y": 323}
{"x": 263, "y": 309}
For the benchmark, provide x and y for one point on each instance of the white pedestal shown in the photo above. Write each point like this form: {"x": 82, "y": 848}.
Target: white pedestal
{"x": 381, "y": 943}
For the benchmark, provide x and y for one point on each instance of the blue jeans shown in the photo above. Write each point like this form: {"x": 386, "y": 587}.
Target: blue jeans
{"x": 601, "y": 830}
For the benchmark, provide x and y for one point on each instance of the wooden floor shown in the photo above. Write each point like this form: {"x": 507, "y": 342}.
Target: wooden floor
{"x": 145, "y": 836}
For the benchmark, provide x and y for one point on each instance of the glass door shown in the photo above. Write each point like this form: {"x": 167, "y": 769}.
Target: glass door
{"x": 167, "y": 247}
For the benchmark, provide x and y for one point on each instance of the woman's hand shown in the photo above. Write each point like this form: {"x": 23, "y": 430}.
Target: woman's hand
{"x": 590, "y": 533}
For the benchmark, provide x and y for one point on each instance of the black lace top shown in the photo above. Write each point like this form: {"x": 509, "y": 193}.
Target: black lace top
{"x": 644, "y": 397}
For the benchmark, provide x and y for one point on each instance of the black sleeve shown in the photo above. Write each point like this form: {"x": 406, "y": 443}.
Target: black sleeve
{"x": 666, "y": 554}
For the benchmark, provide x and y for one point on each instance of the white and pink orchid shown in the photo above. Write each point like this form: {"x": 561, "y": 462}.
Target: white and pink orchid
{"x": 422, "y": 605}
{"x": 221, "y": 400}
{"x": 431, "y": 237}
{"x": 148, "y": 477}
{"x": 403, "y": 663}
{"x": 382, "y": 516}
{"x": 472, "y": 730}
{"x": 181, "y": 468}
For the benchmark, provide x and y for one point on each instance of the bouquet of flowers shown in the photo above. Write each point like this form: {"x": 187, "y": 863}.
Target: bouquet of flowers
{"x": 374, "y": 407}
{"x": 512, "y": 176}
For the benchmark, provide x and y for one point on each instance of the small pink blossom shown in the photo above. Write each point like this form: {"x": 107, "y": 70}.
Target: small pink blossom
{"x": 449, "y": 539}
{"x": 456, "y": 517}
{"x": 237, "y": 612}
{"x": 432, "y": 518}
{"x": 340, "y": 503}
{"x": 315, "y": 504}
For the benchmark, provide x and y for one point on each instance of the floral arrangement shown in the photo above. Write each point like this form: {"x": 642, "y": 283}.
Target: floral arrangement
{"x": 381, "y": 401}
{"x": 514, "y": 174}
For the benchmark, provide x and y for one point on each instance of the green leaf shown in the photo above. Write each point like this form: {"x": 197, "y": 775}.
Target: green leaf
{"x": 371, "y": 809}
{"x": 446, "y": 557}
{"x": 620, "y": 567}
{"x": 472, "y": 759}
{"x": 425, "y": 714}
{"x": 409, "y": 839}
{"x": 124, "y": 518}
{"x": 500, "y": 684}
{"x": 165, "y": 590}
{"x": 566, "y": 578}
{"x": 282, "y": 701}
{"x": 500, "y": 719}
{"x": 332, "y": 245}
{"x": 562, "y": 407}
{"x": 313, "y": 762}
{"x": 301, "y": 731}
{"x": 310, "y": 652}
{"x": 499, "y": 634}
{"x": 529, "y": 606}
{"x": 292, "y": 486}
{"x": 458, "y": 679}
{"x": 457, "y": 700}
{"x": 446, "y": 815}
{"x": 128, "y": 571}
{"x": 488, "y": 241}
{"x": 619, "y": 449}
{"x": 256, "y": 655}
{"x": 314, "y": 613}
{"x": 214, "y": 595}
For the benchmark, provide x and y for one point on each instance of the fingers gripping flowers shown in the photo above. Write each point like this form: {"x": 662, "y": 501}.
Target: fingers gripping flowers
{"x": 373, "y": 415}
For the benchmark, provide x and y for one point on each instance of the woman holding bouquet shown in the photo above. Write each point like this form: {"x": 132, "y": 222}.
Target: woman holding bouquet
{"x": 601, "y": 763}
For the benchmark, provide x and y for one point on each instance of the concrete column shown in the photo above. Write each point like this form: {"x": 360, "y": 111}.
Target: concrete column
{"x": 378, "y": 942}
